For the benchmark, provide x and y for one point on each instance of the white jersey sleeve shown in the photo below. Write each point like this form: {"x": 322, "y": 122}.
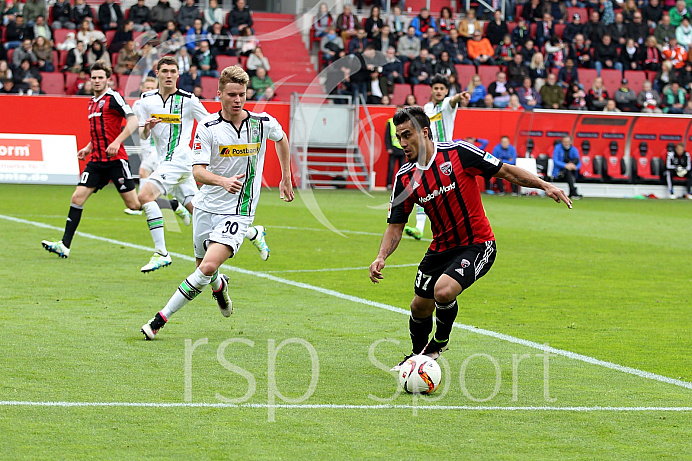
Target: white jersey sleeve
{"x": 140, "y": 112}
{"x": 202, "y": 145}
{"x": 274, "y": 129}
{"x": 198, "y": 109}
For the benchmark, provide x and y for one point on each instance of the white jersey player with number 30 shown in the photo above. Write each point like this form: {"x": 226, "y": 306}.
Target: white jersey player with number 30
{"x": 228, "y": 159}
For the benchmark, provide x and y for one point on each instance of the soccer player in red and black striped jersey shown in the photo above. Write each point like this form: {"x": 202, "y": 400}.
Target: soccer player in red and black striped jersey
{"x": 441, "y": 177}
{"x": 108, "y": 162}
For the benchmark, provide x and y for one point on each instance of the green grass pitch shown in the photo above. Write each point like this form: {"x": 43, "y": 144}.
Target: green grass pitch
{"x": 609, "y": 281}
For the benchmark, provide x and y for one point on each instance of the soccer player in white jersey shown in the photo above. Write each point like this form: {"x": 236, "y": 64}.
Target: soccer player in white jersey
{"x": 228, "y": 159}
{"x": 442, "y": 111}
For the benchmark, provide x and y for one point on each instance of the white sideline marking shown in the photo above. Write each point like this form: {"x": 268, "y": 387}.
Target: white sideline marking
{"x": 331, "y": 406}
{"x": 367, "y": 302}
{"x": 336, "y": 269}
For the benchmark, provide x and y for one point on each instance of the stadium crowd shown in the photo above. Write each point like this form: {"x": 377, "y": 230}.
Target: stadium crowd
{"x": 69, "y": 38}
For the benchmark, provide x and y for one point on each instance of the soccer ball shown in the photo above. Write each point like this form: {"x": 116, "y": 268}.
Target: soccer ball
{"x": 420, "y": 375}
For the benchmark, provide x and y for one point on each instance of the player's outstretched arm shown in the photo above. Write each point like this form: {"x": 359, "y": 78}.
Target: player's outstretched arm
{"x": 130, "y": 127}
{"x": 523, "y": 178}
{"x": 460, "y": 99}
{"x": 390, "y": 240}
{"x": 283, "y": 151}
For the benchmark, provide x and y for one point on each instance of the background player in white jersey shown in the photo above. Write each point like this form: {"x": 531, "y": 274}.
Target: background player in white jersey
{"x": 442, "y": 112}
{"x": 228, "y": 159}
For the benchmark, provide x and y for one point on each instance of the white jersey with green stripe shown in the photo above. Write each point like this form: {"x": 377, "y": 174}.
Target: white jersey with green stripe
{"x": 228, "y": 151}
{"x": 178, "y": 114}
{"x": 442, "y": 117}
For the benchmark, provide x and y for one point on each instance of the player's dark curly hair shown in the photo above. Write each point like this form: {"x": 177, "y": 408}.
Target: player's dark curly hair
{"x": 101, "y": 65}
{"x": 439, "y": 78}
{"x": 416, "y": 115}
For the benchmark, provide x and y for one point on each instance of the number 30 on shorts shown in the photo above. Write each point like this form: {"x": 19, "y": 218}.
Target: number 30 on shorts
{"x": 230, "y": 227}
{"x": 423, "y": 279}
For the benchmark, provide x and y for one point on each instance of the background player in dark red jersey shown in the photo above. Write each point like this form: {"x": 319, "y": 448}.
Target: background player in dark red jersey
{"x": 441, "y": 177}
{"x": 108, "y": 162}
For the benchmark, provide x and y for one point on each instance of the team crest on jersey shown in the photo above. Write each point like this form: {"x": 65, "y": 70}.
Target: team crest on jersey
{"x": 102, "y": 103}
{"x": 446, "y": 168}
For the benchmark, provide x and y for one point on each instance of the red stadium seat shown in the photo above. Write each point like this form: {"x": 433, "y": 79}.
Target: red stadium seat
{"x": 225, "y": 61}
{"x": 407, "y": 66}
{"x": 416, "y": 6}
{"x": 53, "y": 83}
{"x": 635, "y": 79}
{"x": 109, "y": 37}
{"x": 56, "y": 60}
{"x": 582, "y": 12}
{"x": 422, "y": 93}
{"x": 518, "y": 10}
{"x": 59, "y": 35}
{"x": 9, "y": 56}
{"x": 586, "y": 77}
{"x": 243, "y": 61}
{"x": 532, "y": 30}
{"x": 615, "y": 164}
{"x": 63, "y": 60}
{"x": 129, "y": 83}
{"x": 560, "y": 29}
{"x": 70, "y": 80}
{"x": 401, "y": 90}
{"x": 209, "y": 87}
{"x": 510, "y": 27}
{"x": 586, "y": 172}
{"x": 464, "y": 73}
{"x": 646, "y": 166}
{"x": 488, "y": 74}
{"x": 611, "y": 80}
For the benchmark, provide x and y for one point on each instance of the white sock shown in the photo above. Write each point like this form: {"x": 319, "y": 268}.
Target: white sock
{"x": 193, "y": 285}
{"x": 155, "y": 222}
{"x": 251, "y": 233}
{"x": 420, "y": 219}
{"x": 216, "y": 282}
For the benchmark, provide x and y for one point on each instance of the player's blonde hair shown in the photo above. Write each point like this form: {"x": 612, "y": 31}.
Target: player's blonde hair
{"x": 233, "y": 74}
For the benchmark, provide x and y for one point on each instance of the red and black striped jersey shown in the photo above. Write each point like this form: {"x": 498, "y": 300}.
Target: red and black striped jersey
{"x": 106, "y": 114}
{"x": 447, "y": 190}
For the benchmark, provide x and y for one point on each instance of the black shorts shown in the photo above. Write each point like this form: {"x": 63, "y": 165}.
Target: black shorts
{"x": 99, "y": 174}
{"x": 464, "y": 264}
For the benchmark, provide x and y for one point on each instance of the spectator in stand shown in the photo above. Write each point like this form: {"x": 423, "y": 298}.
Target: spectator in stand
{"x": 637, "y": 29}
{"x": 664, "y": 77}
{"x": 444, "y": 65}
{"x": 410, "y": 100}
{"x": 221, "y": 40}
{"x": 127, "y": 59}
{"x": 195, "y": 35}
{"x": 422, "y": 69}
{"x": 8, "y": 87}
{"x": 409, "y": 45}
{"x": 184, "y": 60}
{"x": 24, "y": 75}
{"x": 198, "y": 90}
{"x": 323, "y": 19}
{"x": 331, "y": 44}
{"x": 205, "y": 60}
{"x": 674, "y": 53}
{"x": 62, "y": 11}
{"x": 424, "y": 24}
{"x": 611, "y": 106}
{"x": 80, "y": 12}
{"x": 34, "y": 89}
{"x": 359, "y": 42}
{"x": 651, "y": 55}
{"x": 557, "y": 10}
{"x": 477, "y": 91}
{"x": 648, "y": 100}
{"x": 685, "y": 77}
{"x": 32, "y": 10}
{"x": 664, "y": 31}
{"x": 652, "y": 13}
{"x": 488, "y": 102}
{"x": 246, "y": 43}
{"x": 580, "y": 53}
{"x": 545, "y": 29}
{"x": 393, "y": 69}
{"x": 110, "y": 15}
{"x": 575, "y": 99}
{"x": 383, "y": 40}
{"x": 674, "y": 99}
{"x": 567, "y": 75}
{"x": 631, "y": 56}
{"x": 188, "y": 14}
{"x": 678, "y": 165}
{"x": 573, "y": 29}
{"x": 446, "y": 23}
{"x": 529, "y": 98}
{"x": 517, "y": 71}
{"x": 454, "y": 86}
{"x": 684, "y": 33}
{"x": 346, "y": 24}
{"x": 606, "y": 55}
{"x": 398, "y": 22}
{"x": 76, "y": 61}
{"x": 87, "y": 35}
{"x": 497, "y": 29}
{"x": 161, "y": 14}
{"x": 521, "y": 33}
{"x": 41, "y": 29}
{"x": 552, "y": 95}
{"x": 256, "y": 60}
{"x": 508, "y": 154}
{"x": 188, "y": 80}
{"x": 378, "y": 87}
{"x": 24, "y": 52}
{"x": 480, "y": 50}
{"x": 594, "y": 30}
{"x": 97, "y": 52}
{"x": 538, "y": 71}
{"x": 15, "y": 31}
{"x": 172, "y": 36}
{"x": 597, "y": 96}
{"x": 528, "y": 51}
{"x": 533, "y": 11}
{"x": 469, "y": 24}
{"x": 514, "y": 104}
{"x": 566, "y": 164}
{"x": 5, "y": 71}
{"x": 500, "y": 90}
{"x": 122, "y": 36}
{"x": 44, "y": 53}
{"x": 505, "y": 51}
{"x": 456, "y": 47}
{"x": 260, "y": 82}
{"x": 374, "y": 23}
{"x": 556, "y": 53}
{"x": 625, "y": 97}
{"x": 140, "y": 15}
{"x": 680, "y": 11}
{"x": 268, "y": 95}
{"x": 618, "y": 29}
{"x": 8, "y": 11}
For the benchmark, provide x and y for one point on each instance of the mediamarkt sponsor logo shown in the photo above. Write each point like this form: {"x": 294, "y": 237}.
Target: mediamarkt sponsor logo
{"x": 438, "y": 192}
{"x": 21, "y": 149}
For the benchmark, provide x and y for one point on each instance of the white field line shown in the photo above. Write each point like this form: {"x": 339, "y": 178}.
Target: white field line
{"x": 336, "y": 269}
{"x": 367, "y": 302}
{"x": 332, "y": 406}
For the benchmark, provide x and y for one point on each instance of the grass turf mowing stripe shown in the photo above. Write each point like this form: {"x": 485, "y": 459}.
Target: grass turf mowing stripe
{"x": 367, "y": 302}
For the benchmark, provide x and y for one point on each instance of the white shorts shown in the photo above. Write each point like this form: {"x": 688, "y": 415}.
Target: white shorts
{"x": 176, "y": 180}
{"x": 208, "y": 227}
{"x": 150, "y": 163}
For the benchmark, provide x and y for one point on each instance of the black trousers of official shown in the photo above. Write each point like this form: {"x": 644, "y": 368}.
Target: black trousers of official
{"x": 396, "y": 159}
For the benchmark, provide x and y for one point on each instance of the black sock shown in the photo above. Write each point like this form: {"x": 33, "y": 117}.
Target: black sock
{"x": 174, "y": 204}
{"x": 73, "y": 217}
{"x": 420, "y": 330}
{"x": 445, "y": 314}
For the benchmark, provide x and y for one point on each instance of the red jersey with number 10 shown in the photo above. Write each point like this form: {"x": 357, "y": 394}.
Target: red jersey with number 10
{"x": 106, "y": 114}
{"x": 447, "y": 190}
